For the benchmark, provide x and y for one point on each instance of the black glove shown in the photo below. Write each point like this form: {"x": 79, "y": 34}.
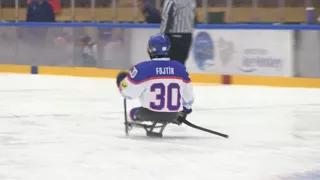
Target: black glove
{"x": 121, "y": 77}
{"x": 182, "y": 115}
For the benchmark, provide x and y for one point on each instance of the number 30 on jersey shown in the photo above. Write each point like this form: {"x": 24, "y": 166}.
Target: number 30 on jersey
{"x": 167, "y": 96}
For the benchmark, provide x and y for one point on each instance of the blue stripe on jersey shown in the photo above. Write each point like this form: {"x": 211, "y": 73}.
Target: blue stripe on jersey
{"x": 158, "y": 69}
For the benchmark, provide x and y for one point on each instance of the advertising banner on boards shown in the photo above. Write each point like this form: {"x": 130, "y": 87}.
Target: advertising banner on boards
{"x": 235, "y": 52}
{"x": 242, "y": 52}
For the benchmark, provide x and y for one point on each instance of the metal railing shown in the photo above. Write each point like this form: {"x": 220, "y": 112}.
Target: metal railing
{"x": 128, "y": 10}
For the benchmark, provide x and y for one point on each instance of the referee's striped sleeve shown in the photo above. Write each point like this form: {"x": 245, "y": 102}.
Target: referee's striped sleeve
{"x": 167, "y": 16}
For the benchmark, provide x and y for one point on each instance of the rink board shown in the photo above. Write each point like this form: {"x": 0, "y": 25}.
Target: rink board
{"x": 197, "y": 78}
{"x": 20, "y": 69}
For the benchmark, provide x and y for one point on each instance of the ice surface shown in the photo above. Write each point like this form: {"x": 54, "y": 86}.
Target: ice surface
{"x": 68, "y": 128}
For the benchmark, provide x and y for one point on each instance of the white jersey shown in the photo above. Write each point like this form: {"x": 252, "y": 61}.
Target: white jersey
{"x": 161, "y": 85}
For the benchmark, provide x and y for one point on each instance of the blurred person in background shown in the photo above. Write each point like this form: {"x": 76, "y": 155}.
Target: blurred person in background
{"x": 152, "y": 15}
{"x": 89, "y": 51}
{"x": 40, "y": 11}
{"x": 178, "y": 21}
{"x": 64, "y": 46}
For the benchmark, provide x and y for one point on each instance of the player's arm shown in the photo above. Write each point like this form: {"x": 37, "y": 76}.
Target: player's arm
{"x": 130, "y": 90}
{"x": 187, "y": 98}
{"x": 187, "y": 94}
{"x": 128, "y": 85}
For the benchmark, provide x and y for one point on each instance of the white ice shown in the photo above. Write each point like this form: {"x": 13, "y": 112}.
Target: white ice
{"x": 71, "y": 128}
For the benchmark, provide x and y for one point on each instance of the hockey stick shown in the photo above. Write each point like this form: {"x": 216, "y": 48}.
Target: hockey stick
{"x": 204, "y": 129}
{"x": 125, "y": 116}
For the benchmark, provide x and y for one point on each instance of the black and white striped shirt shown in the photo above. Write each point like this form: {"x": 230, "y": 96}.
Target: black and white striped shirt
{"x": 178, "y": 16}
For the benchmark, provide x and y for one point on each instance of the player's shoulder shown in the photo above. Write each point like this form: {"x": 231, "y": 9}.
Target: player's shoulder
{"x": 179, "y": 67}
{"x": 181, "y": 71}
{"x": 139, "y": 72}
{"x": 142, "y": 68}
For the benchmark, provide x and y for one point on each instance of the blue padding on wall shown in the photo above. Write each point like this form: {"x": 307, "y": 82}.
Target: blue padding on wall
{"x": 34, "y": 69}
{"x": 136, "y": 25}
{"x": 81, "y": 24}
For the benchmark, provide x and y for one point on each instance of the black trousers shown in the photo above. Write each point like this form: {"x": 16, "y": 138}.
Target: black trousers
{"x": 180, "y": 46}
{"x": 144, "y": 114}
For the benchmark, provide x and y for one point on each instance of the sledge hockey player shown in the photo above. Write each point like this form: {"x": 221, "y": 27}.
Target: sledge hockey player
{"x": 162, "y": 85}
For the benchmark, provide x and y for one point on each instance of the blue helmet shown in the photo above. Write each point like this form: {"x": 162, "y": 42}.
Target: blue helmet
{"x": 159, "y": 45}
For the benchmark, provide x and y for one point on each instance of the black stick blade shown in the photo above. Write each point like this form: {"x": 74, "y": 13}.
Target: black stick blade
{"x": 204, "y": 129}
